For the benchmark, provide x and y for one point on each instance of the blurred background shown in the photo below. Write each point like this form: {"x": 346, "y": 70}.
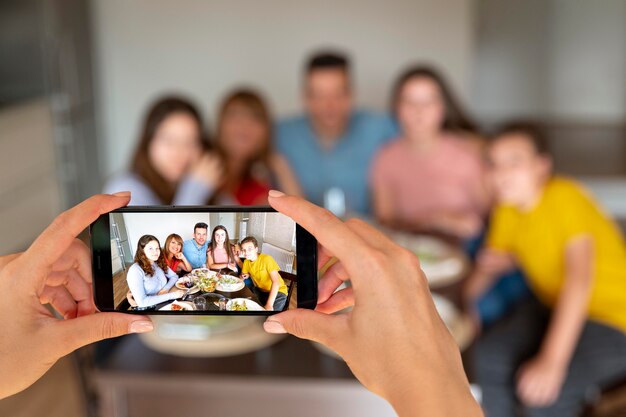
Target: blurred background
{"x": 77, "y": 77}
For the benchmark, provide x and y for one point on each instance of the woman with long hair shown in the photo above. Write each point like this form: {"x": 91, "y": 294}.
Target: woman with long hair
{"x": 149, "y": 278}
{"x": 173, "y": 253}
{"x": 244, "y": 142}
{"x": 221, "y": 254}
{"x": 171, "y": 164}
{"x": 431, "y": 178}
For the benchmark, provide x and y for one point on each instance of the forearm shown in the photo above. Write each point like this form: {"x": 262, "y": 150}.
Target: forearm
{"x": 477, "y": 284}
{"x": 273, "y": 292}
{"x": 441, "y": 397}
{"x": 568, "y": 319}
{"x": 4, "y": 260}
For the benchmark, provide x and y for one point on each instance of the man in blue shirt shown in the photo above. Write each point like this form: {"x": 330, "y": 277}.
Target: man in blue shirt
{"x": 331, "y": 147}
{"x": 195, "y": 249}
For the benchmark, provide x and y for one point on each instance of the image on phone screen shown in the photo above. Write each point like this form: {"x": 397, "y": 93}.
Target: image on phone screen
{"x": 200, "y": 262}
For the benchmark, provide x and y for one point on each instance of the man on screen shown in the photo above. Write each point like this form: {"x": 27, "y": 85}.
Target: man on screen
{"x": 269, "y": 287}
{"x": 195, "y": 249}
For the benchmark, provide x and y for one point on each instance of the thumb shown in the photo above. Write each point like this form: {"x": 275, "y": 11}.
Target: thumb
{"x": 81, "y": 331}
{"x": 307, "y": 324}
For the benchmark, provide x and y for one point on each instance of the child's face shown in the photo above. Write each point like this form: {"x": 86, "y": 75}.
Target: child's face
{"x": 249, "y": 251}
{"x": 517, "y": 171}
{"x": 152, "y": 250}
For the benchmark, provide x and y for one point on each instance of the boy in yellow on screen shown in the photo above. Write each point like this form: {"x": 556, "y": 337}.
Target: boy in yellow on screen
{"x": 269, "y": 287}
{"x": 571, "y": 336}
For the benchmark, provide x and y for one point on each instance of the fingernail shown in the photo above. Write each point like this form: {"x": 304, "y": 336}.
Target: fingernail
{"x": 122, "y": 194}
{"x": 272, "y": 326}
{"x": 276, "y": 193}
{"x": 141, "y": 326}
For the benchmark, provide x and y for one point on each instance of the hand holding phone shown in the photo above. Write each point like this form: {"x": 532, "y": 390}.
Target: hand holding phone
{"x": 137, "y": 252}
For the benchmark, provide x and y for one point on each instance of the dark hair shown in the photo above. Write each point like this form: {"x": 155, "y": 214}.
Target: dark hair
{"x": 529, "y": 130}
{"x": 250, "y": 239}
{"x": 200, "y": 225}
{"x": 256, "y": 106}
{"x": 141, "y": 165}
{"x": 455, "y": 118}
{"x": 227, "y": 245}
{"x": 166, "y": 247}
{"x": 327, "y": 60}
{"x": 143, "y": 261}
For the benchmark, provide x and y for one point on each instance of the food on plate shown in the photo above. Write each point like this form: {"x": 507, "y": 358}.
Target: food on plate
{"x": 176, "y": 307}
{"x": 206, "y": 284}
{"x": 238, "y": 306}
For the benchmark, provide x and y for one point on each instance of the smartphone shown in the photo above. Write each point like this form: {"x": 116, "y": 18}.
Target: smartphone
{"x": 194, "y": 260}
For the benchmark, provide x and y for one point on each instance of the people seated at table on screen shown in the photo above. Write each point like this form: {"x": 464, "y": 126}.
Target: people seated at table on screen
{"x": 569, "y": 337}
{"x": 172, "y": 163}
{"x": 173, "y": 252}
{"x": 220, "y": 253}
{"x": 269, "y": 286}
{"x": 149, "y": 278}
{"x": 195, "y": 249}
{"x": 331, "y": 145}
{"x": 243, "y": 140}
{"x": 432, "y": 177}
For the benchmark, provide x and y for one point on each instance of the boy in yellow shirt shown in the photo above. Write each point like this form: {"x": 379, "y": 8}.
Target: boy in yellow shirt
{"x": 269, "y": 287}
{"x": 572, "y": 336}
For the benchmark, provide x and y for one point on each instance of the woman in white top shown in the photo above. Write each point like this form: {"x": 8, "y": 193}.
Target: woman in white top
{"x": 149, "y": 278}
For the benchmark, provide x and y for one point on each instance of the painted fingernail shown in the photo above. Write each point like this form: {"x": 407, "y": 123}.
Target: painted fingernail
{"x": 141, "y": 326}
{"x": 272, "y": 326}
{"x": 122, "y": 194}
{"x": 276, "y": 193}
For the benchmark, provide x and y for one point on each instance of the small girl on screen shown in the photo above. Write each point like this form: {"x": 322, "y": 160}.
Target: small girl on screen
{"x": 221, "y": 253}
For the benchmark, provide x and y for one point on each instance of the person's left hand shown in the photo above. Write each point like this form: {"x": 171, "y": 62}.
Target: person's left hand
{"x": 269, "y": 307}
{"x": 539, "y": 381}
{"x": 178, "y": 255}
{"x": 163, "y": 291}
{"x": 55, "y": 270}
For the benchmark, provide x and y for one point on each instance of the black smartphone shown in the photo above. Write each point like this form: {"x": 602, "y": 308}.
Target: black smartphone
{"x": 202, "y": 260}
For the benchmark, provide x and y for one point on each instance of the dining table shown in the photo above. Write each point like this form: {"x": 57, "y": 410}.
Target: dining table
{"x": 213, "y": 296}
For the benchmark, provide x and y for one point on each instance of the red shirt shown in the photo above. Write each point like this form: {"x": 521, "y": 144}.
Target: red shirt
{"x": 173, "y": 264}
{"x": 251, "y": 192}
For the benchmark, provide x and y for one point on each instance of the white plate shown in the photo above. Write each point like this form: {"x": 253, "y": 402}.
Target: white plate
{"x": 180, "y": 284}
{"x": 184, "y": 304}
{"x": 252, "y": 306}
{"x": 442, "y": 263}
{"x": 230, "y": 287}
{"x": 207, "y": 271}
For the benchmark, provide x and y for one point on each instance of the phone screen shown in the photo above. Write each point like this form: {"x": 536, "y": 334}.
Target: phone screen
{"x": 189, "y": 262}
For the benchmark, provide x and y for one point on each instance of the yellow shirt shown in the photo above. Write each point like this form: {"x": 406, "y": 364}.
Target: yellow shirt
{"x": 259, "y": 271}
{"x": 538, "y": 238}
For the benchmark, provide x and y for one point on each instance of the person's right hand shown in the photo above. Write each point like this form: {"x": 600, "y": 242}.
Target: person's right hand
{"x": 55, "y": 270}
{"x": 393, "y": 339}
{"x": 208, "y": 169}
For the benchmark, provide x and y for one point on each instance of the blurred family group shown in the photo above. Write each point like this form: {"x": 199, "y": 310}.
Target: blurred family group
{"x": 549, "y": 283}
{"x": 156, "y": 270}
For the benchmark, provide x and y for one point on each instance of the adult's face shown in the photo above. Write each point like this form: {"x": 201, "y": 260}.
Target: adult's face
{"x": 175, "y": 247}
{"x": 243, "y": 133}
{"x": 199, "y": 235}
{"x": 152, "y": 250}
{"x": 328, "y": 99}
{"x": 517, "y": 171}
{"x": 175, "y": 146}
{"x": 420, "y": 107}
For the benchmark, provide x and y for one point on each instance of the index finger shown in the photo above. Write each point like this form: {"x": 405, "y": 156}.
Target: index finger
{"x": 329, "y": 231}
{"x": 57, "y": 238}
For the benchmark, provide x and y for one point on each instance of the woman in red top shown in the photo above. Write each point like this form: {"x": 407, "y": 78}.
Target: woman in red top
{"x": 243, "y": 139}
{"x": 173, "y": 251}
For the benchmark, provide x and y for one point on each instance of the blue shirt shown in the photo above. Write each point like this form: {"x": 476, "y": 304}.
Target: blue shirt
{"x": 194, "y": 254}
{"x": 190, "y": 192}
{"x": 345, "y": 166}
